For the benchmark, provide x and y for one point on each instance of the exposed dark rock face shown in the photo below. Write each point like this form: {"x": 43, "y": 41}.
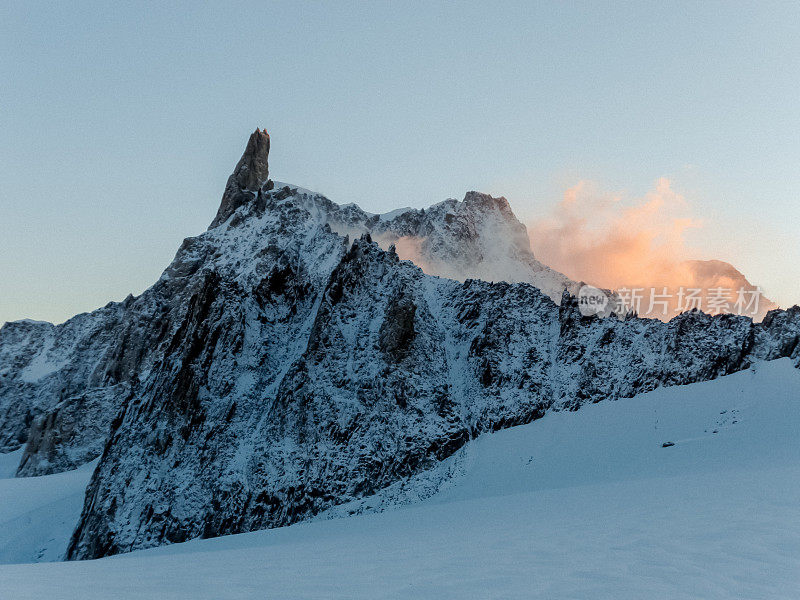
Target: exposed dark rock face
{"x": 276, "y": 370}
{"x": 251, "y": 173}
{"x": 72, "y": 433}
{"x": 397, "y": 330}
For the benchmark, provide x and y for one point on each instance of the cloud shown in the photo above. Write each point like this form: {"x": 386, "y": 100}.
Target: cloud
{"x": 612, "y": 242}
{"x": 599, "y": 238}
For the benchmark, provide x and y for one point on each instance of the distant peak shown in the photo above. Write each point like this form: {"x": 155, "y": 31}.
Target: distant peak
{"x": 250, "y": 174}
{"x": 479, "y": 199}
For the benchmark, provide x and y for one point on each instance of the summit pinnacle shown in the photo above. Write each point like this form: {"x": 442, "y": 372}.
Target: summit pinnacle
{"x": 251, "y": 172}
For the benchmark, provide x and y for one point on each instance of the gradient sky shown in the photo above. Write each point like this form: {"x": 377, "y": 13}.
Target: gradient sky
{"x": 120, "y": 124}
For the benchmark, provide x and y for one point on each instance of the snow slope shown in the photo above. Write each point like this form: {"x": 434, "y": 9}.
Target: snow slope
{"x": 585, "y": 504}
{"x": 38, "y": 514}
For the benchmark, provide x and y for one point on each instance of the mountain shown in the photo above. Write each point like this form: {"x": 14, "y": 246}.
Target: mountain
{"x": 718, "y": 274}
{"x": 586, "y": 504}
{"x": 713, "y": 286}
{"x": 477, "y": 238}
{"x": 277, "y": 370}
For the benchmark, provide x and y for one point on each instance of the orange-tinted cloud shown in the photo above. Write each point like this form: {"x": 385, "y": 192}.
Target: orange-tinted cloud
{"x": 608, "y": 242}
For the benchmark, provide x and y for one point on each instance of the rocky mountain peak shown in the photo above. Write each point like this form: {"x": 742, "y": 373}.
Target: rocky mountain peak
{"x": 249, "y": 176}
{"x": 478, "y": 237}
{"x": 477, "y": 200}
{"x": 253, "y": 168}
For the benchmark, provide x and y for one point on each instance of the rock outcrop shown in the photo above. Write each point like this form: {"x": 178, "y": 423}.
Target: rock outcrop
{"x": 250, "y": 174}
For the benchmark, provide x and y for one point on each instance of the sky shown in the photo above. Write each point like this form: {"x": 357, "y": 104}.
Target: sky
{"x": 120, "y": 124}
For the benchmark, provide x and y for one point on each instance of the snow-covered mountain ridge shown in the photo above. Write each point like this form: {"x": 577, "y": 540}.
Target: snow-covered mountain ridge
{"x": 477, "y": 238}
{"x": 276, "y": 370}
{"x": 585, "y": 504}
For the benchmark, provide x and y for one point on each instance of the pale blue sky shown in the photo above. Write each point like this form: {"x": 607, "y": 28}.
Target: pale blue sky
{"x": 120, "y": 125}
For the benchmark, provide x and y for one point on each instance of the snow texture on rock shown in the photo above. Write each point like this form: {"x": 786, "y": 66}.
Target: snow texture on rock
{"x": 477, "y": 238}
{"x": 277, "y": 370}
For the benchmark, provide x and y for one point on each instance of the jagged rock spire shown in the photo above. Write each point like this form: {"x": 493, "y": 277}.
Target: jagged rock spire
{"x": 253, "y": 168}
{"x": 250, "y": 174}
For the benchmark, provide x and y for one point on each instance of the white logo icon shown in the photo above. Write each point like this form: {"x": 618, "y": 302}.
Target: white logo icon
{"x": 592, "y": 301}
